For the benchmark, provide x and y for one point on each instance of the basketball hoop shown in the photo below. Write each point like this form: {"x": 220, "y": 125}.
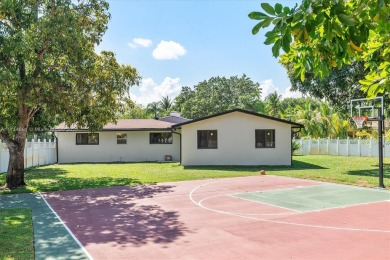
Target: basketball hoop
{"x": 359, "y": 121}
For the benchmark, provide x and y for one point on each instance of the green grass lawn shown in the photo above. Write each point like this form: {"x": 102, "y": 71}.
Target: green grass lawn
{"x": 362, "y": 171}
{"x": 16, "y": 234}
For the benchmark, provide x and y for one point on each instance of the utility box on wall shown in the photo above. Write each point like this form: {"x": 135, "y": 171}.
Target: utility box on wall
{"x": 168, "y": 158}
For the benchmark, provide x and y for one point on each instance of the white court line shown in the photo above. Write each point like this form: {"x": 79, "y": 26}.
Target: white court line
{"x": 67, "y": 229}
{"x": 279, "y": 189}
{"x": 260, "y": 202}
{"x": 253, "y": 214}
{"x": 277, "y": 221}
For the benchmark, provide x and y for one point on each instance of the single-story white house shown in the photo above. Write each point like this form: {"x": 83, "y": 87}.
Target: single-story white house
{"x": 234, "y": 137}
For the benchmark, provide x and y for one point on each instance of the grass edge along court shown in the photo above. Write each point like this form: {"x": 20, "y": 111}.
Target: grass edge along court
{"x": 360, "y": 171}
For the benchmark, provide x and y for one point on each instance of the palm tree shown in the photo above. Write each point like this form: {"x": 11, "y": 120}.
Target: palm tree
{"x": 272, "y": 103}
{"x": 153, "y": 108}
{"x": 339, "y": 127}
{"x": 166, "y": 104}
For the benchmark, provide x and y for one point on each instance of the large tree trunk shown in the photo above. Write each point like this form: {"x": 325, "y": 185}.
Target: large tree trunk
{"x": 15, "y": 173}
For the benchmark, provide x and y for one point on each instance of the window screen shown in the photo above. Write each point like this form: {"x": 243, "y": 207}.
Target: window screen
{"x": 161, "y": 138}
{"x": 207, "y": 139}
{"x": 265, "y": 138}
{"x": 121, "y": 138}
{"x": 87, "y": 138}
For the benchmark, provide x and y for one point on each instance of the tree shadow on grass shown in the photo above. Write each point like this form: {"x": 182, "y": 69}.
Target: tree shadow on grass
{"x": 122, "y": 216}
{"x": 297, "y": 165}
{"x": 372, "y": 172}
{"x": 55, "y": 179}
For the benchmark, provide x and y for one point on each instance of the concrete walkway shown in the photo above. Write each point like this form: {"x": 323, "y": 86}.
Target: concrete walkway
{"x": 51, "y": 238}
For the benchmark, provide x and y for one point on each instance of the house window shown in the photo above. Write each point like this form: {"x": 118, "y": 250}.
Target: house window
{"x": 265, "y": 138}
{"x": 121, "y": 138}
{"x": 207, "y": 139}
{"x": 161, "y": 138}
{"x": 87, "y": 138}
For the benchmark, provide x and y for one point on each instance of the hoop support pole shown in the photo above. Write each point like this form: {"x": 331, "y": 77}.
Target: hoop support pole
{"x": 380, "y": 139}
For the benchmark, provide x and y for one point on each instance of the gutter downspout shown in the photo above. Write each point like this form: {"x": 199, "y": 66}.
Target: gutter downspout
{"x": 173, "y": 131}
{"x": 292, "y": 135}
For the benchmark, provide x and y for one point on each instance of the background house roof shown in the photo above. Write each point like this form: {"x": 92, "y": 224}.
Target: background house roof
{"x": 296, "y": 125}
{"x": 174, "y": 119}
{"x": 124, "y": 125}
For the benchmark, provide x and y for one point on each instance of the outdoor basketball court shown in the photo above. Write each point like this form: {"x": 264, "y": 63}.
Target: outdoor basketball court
{"x": 259, "y": 217}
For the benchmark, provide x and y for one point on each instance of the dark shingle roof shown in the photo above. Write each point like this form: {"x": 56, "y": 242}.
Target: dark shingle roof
{"x": 174, "y": 119}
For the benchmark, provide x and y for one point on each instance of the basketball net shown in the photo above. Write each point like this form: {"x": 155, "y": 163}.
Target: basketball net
{"x": 359, "y": 121}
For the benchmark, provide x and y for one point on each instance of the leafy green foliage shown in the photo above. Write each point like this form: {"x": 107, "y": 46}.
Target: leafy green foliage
{"x": 338, "y": 88}
{"x": 218, "y": 94}
{"x": 320, "y": 120}
{"x": 135, "y": 112}
{"x": 295, "y": 147}
{"x": 272, "y": 104}
{"x": 49, "y": 71}
{"x": 166, "y": 104}
{"x": 153, "y": 108}
{"x": 57, "y": 73}
{"x": 319, "y": 35}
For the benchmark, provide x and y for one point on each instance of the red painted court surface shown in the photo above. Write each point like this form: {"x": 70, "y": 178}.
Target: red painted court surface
{"x": 260, "y": 217}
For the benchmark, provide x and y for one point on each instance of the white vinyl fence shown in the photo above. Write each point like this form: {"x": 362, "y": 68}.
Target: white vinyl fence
{"x": 343, "y": 147}
{"x": 35, "y": 153}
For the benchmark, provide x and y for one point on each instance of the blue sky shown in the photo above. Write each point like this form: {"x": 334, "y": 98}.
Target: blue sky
{"x": 180, "y": 43}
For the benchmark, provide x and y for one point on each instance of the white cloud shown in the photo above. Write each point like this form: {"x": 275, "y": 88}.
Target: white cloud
{"x": 140, "y": 42}
{"x": 268, "y": 87}
{"x": 291, "y": 94}
{"x": 150, "y": 91}
{"x": 168, "y": 50}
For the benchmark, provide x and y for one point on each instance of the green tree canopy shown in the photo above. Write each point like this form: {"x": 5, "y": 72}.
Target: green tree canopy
{"x": 218, "y": 94}
{"x": 338, "y": 88}
{"x": 50, "y": 70}
{"x": 136, "y": 111}
{"x": 166, "y": 104}
{"x": 319, "y": 35}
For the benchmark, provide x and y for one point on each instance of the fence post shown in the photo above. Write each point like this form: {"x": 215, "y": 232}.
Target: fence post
{"x": 309, "y": 145}
{"x": 39, "y": 148}
{"x": 359, "y": 147}
{"x": 44, "y": 151}
{"x": 32, "y": 152}
{"x": 370, "y": 148}
{"x": 348, "y": 146}
{"x": 327, "y": 146}
{"x": 318, "y": 146}
{"x": 337, "y": 146}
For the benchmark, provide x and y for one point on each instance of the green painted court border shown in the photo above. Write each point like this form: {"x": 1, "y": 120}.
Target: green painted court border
{"x": 52, "y": 239}
{"x": 317, "y": 197}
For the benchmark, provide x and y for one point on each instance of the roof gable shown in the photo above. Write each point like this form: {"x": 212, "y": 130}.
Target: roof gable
{"x": 295, "y": 125}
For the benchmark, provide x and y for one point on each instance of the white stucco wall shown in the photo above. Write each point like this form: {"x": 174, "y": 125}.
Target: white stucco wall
{"x": 137, "y": 149}
{"x": 236, "y": 141}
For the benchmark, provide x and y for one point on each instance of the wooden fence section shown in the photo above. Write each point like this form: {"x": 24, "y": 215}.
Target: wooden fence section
{"x": 35, "y": 154}
{"x": 342, "y": 147}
